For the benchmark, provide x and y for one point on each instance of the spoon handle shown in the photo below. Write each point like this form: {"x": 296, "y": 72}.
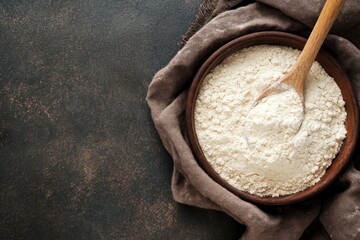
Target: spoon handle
{"x": 322, "y": 27}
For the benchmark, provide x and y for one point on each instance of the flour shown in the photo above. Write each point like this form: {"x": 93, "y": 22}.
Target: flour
{"x": 275, "y": 119}
{"x": 277, "y": 148}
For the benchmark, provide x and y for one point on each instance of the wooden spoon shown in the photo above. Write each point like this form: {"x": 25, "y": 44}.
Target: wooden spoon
{"x": 297, "y": 75}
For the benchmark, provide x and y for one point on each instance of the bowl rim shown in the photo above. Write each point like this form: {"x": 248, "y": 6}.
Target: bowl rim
{"x": 273, "y": 38}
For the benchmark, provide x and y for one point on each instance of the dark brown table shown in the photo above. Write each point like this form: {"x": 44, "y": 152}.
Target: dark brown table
{"x": 79, "y": 156}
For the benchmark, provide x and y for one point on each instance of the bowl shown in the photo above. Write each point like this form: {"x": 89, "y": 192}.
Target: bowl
{"x": 330, "y": 66}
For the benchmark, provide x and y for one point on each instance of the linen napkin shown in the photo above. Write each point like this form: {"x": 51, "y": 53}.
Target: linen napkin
{"x": 334, "y": 214}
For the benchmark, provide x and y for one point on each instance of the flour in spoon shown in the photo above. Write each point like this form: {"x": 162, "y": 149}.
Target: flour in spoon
{"x": 278, "y": 147}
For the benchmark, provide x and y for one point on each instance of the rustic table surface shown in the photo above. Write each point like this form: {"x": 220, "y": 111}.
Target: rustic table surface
{"x": 79, "y": 156}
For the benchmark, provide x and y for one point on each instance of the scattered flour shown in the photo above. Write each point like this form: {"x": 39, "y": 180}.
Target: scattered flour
{"x": 277, "y": 148}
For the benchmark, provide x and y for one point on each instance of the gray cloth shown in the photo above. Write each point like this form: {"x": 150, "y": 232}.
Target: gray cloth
{"x": 335, "y": 213}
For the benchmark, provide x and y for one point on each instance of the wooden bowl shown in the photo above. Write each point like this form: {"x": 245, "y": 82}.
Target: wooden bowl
{"x": 330, "y": 66}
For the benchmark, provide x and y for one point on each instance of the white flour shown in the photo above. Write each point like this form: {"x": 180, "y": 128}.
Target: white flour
{"x": 263, "y": 151}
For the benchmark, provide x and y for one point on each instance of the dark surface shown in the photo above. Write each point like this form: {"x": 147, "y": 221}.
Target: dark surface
{"x": 80, "y": 158}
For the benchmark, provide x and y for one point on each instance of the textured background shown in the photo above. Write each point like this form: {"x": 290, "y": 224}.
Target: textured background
{"x": 79, "y": 156}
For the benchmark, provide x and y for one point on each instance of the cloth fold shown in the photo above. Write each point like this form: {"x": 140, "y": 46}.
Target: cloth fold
{"x": 336, "y": 212}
